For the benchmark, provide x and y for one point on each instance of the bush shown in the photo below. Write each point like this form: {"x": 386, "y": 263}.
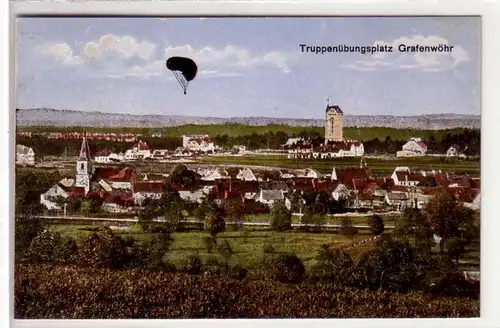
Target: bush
{"x": 47, "y": 292}
{"x": 51, "y": 247}
{"x": 214, "y": 224}
{"x": 128, "y": 240}
{"x": 268, "y": 248}
{"x": 193, "y": 265}
{"x": 332, "y": 265}
{"x": 25, "y": 229}
{"x": 225, "y": 250}
{"x": 347, "y": 229}
{"x": 104, "y": 250}
{"x": 210, "y": 242}
{"x": 377, "y": 225}
{"x": 281, "y": 219}
{"x": 288, "y": 268}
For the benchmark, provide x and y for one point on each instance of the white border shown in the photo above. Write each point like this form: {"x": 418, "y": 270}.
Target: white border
{"x": 490, "y": 133}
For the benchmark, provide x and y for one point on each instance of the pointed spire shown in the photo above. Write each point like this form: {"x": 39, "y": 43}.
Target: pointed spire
{"x": 85, "y": 150}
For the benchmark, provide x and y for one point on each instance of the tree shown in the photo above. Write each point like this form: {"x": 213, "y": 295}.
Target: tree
{"x": 447, "y": 215}
{"x": 226, "y": 251}
{"x": 281, "y": 219}
{"x": 234, "y": 212}
{"x": 455, "y": 248}
{"x": 332, "y": 265}
{"x": 288, "y": 268}
{"x": 347, "y": 228}
{"x": 214, "y": 224}
{"x": 182, "y": 176}
{"x": 25, "y": 230}
{"x": 415, "y": 228}
{"x": 377, "y": 225}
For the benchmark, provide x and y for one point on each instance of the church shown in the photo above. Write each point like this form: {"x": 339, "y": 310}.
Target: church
{"x": 334, "y": 145}
{"x": 101, "y": 182}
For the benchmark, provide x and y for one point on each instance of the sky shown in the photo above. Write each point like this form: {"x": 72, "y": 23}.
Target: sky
{"x": 248, "y": 66}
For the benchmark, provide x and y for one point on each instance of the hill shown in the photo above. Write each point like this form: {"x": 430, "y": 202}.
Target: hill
{"x": 69, "y": 118}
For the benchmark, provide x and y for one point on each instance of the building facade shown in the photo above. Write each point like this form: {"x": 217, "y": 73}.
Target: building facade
{"x": 334, "y": 124}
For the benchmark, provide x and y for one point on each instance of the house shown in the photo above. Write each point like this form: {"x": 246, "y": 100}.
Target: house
{"x": 138, "y": 151}
{"x": 402, "y": 176}
{"x": 364, "y": 200}
{"x": 201, "y": 143}
{"x": 118, "y": 204}
{"x": 293, "y": 141}
{"x": 398, "y": 200}
{"x": 25, "y": 155}
{"x": 212, "y": 174}
{"x": 307, "y": 173}
{"x": 146, "y": 190}
{"x": 160, "y": 154}
{"x": 341, "y": 192}
{"x": 455, "y": 151}
{"x": 156, "y": 135}
{"x": 49, "y": 198}
{"x": 413, "y": 147}
{"x": 102, "y": 156}
{"x": 239, "y": 148}
{"x": 246, "y": 175}
{"x": 269, "y": 197}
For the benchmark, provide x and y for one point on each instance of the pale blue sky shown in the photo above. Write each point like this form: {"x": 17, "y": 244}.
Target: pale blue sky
{"x": 247, "y": 67}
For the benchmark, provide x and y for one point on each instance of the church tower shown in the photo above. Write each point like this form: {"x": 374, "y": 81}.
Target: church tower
{"x": 84, "y": 166}
{"x": 334, "y": 123}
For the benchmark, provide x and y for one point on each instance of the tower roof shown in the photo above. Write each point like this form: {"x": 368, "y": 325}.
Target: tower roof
{"x": 84, "y": 150}
{"x": 334, "y": 108}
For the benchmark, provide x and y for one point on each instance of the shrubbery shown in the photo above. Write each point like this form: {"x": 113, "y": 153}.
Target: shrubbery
{"x": 47, "y": 292}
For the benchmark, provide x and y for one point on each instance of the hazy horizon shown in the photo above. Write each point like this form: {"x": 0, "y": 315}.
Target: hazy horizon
{"x": 117, "y": 66}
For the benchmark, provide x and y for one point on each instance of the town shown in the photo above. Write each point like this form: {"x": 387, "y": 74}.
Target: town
{"x": 121, "y": 187}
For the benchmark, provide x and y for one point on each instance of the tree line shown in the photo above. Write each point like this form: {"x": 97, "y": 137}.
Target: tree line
{"x": 468, "y": 140}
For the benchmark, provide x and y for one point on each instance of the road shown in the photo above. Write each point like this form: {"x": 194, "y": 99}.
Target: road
{"x": 194, "y": 220}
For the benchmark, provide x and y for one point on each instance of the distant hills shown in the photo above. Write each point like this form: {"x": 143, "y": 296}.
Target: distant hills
{"x": 54, "y": 117}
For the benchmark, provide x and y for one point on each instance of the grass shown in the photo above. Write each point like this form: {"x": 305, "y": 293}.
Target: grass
{"x": 247, "y": 247}
{"x": 378, "y": 167}
{"x": 234, "y": 130}
{"x": 356, "y": 220}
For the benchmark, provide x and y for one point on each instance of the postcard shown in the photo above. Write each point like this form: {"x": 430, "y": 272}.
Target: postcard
{"x": 247, "y": 167}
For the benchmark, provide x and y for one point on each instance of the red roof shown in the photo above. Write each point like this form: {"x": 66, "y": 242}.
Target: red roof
{"x": 148, "y": 187}
{"x": 103, "y": 152}
{"x": 73, "y": 191}
{"x": 346, "y": 175}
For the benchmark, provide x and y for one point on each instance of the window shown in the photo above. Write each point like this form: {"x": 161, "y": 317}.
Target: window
{"x": 82, "y": 166}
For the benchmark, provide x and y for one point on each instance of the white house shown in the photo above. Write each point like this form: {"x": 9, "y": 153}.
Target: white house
{"x": 25, "y": 155}
{"x": 246, "y": 174}
{"x": 146, "y": 190}
{"x": 341, "y": 192}
{"x": 201, "y": 143}
{"x": 402, "y": 176}
{"x": 102, "y": 156}
{"x": 56, "y": 191}
{"x": 414, "y": 146}
{"x": 139, "y": 151}
{"x": 195, "y": 196}
{"x": 269, "y": 197}
{"x": 454, "y": 151}
{"x": 212, "y": 174}
{"x": 307, "y": 173}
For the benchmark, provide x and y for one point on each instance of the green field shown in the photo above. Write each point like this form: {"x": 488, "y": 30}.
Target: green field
{"x": 248, "y": 244}
{"x": 233, "y": 130}
{"x": 378, "y": 167}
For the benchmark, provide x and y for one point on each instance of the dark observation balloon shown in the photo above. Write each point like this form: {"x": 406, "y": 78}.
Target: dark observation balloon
{"x": 184, "y": 70}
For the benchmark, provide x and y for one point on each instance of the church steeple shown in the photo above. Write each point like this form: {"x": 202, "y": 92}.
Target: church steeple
{"x": 84, "y": 149}
{"x": 83, "y": 166}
